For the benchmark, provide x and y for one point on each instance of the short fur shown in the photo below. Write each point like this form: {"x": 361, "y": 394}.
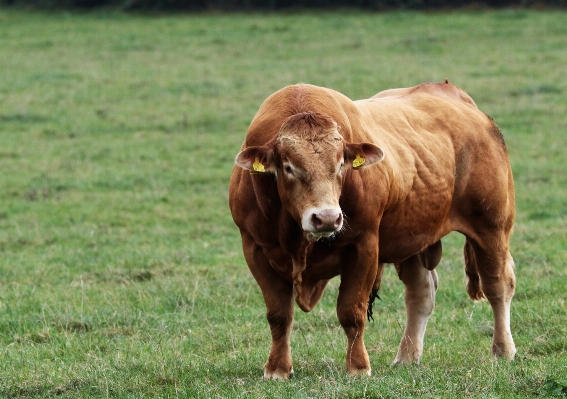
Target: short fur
{"x": 405, "y": 168}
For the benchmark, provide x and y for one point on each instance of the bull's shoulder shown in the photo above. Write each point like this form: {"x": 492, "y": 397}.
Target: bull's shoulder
{"x": 441, "y": 90}
{"x": 253, "y": 198}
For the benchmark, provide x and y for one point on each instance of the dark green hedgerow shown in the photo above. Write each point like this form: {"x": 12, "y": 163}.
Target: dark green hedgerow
{"x": 247, "y": 5}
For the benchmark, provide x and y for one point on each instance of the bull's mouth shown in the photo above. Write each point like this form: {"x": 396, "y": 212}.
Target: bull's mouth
{"x": 316, "y": 236}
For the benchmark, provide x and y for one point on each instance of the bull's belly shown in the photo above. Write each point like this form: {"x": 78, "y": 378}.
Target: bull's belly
{"x": 395, "y": 251}
{"x": 396, "y": 245}
{"x": 414, "y": 225}
{"x": 325, "y": 262}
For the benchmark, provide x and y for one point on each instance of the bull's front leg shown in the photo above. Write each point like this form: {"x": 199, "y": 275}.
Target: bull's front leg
{"x": 357, "y": 279}
{"x": 280, "y": 317}
{"x": 278, "y": 296}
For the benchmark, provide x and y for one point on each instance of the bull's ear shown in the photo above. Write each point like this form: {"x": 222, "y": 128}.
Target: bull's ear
{"x": 363, "y": 155}
{"x": 256, "y": 159}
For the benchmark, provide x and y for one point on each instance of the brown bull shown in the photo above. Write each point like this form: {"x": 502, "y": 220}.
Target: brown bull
{"x": 326, "y": 186}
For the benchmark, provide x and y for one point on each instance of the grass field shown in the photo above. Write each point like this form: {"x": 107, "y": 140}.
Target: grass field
{"x": 121, "y": 272}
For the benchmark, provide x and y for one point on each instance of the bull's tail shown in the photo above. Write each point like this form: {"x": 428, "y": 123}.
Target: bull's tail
{"x": 374, "y": 293}
{"x": 474, "y": 288}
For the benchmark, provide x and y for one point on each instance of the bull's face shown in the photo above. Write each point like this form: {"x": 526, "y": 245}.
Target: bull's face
{"x": 310, "y": 159}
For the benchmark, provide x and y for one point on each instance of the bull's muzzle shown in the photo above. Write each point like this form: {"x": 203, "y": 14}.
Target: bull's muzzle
{"x": 322, "y": 222}
{"x": 327, "y": 220}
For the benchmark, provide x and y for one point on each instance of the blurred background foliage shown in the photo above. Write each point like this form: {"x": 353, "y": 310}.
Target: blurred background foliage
{"x": 248, "y": 5}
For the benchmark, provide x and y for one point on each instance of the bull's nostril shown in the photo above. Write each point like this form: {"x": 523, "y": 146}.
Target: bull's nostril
{"x": 317, "y": 223}
{"x": 339, "y": 221}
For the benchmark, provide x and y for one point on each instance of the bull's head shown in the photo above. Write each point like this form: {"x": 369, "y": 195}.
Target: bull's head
{"x": 310, "y": 159}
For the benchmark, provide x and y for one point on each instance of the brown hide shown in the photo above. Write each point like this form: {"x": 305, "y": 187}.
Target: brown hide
{"x": 445, "y": 168}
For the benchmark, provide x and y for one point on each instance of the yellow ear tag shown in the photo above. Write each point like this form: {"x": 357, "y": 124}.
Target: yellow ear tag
{"x": 258, "y": 167}
{"x": 358, "y": 161}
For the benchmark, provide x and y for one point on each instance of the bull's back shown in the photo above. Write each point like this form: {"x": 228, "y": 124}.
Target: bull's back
{"x": 445, "y": 156}
{"x": 430, "y": 122}
{"x": 440, "y": 90}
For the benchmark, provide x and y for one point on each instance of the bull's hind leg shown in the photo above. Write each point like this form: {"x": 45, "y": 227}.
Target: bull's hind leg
{"x": 490, "y": 269}
{"x": 421, "y": 285}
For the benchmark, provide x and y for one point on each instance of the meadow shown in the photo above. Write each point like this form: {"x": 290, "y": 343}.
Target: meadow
{"x": 121, "y": 271}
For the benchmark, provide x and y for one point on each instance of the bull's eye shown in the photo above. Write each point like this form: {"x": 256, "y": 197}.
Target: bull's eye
{"x": 288, "y": 170}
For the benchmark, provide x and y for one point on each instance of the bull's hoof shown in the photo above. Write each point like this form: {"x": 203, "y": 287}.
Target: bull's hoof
{"x": 404, "y": 362}
{"x": 503, "y": 350}
{"x": 406, "y": 358}
{"x": 277, "y": 375}
{"x": 359, "y": 372}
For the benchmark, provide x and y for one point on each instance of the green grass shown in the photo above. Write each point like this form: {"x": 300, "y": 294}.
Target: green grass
{"x": 121, "y": 271}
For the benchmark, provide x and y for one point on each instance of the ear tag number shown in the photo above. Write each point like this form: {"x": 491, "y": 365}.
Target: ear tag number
{"x": 258, "y": 167}
{"x": 358, "y": 161}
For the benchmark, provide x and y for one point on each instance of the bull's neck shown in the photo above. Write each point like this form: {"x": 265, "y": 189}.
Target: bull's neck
{"x": 299, "y": 260}
{"x": 293, "y": 242}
